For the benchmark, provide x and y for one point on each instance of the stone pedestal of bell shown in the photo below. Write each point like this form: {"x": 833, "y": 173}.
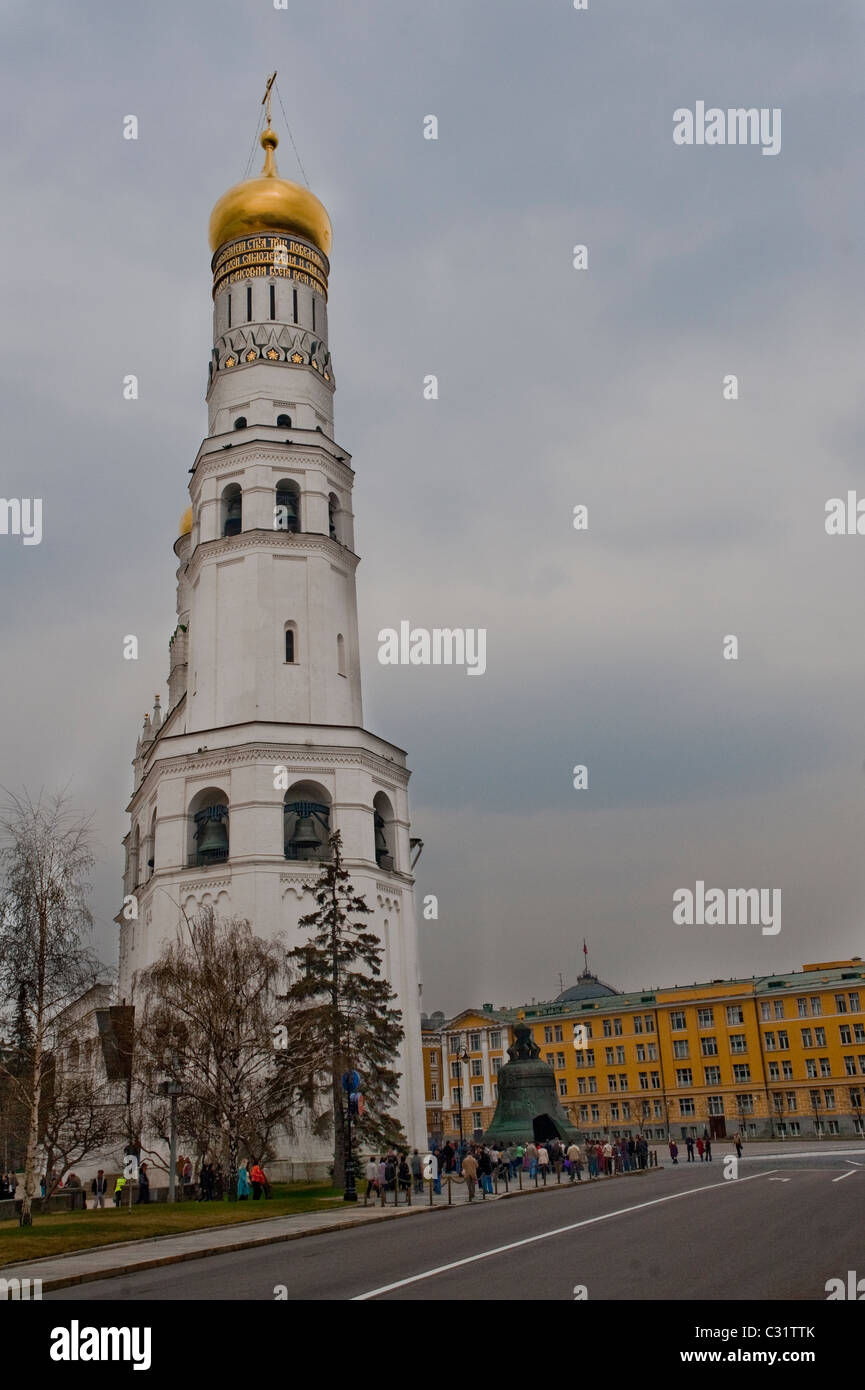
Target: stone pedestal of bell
{"x": 528, "y": 1107}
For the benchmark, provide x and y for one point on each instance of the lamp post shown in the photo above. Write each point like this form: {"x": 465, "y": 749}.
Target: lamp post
{"x": 462, "y": 1056}
{"x": 779, "y": 1106}
{"x": 818, "y": 1131}
{"x": 172, "y": 1089}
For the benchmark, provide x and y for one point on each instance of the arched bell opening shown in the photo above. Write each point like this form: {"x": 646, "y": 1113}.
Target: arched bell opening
{"x": 151, "y": 848}
{"x": 333, "y": 516}
{"x": 232, "y": 510}
{"x": 307, "y": 822}
{"x": 207, "y": 828}
{"x": 385, "y": 832}
{"x": 286, "y": 513}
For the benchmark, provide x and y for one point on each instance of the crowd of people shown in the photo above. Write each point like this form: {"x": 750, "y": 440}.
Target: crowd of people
{"x": 480, "y": 1164}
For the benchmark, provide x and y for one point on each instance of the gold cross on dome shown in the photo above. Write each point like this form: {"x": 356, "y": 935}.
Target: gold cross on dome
{"x": 265, "y": 100}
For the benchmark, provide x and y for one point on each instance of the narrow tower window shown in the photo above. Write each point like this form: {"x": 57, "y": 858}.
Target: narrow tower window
{"x": 273, "y": 301}
{"x": 313, "y": 313}
{"x": 294, "y": 304}
{"x": 229, "y": 311}
{"x": 249, "y": 304}
{"x": 340, "y": 654}
{"x": 283, "y": 422}
{"x": 290, "y": 633}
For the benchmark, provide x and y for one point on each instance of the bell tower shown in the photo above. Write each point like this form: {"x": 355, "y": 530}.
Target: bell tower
{"x": 262, "y": 752}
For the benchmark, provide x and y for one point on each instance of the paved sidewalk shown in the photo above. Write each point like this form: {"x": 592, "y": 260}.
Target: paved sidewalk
{"x": 132, "y": 1256}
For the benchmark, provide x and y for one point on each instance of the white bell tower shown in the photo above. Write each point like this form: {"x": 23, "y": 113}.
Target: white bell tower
{"x": 262, "y": 749}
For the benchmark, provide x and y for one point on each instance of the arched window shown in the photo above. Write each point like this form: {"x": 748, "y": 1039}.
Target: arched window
{"x": 240, "y": 422}
{"x": 283, "y": 422}
{"x": 332, "y": 510}
{"x": 232, "y": 510}
{"x": 74, "y": 1058}
{"x": 286, "y": 513}
{"x": 340, "y": 654}
{"x": 207, "y": 828}
{"x": 306, "y": 821}
{"x": 291, "y": 644}
{"x": 151, "y": 846}
{"x": 384, "y": 831}
{"x": 133, "y": 858}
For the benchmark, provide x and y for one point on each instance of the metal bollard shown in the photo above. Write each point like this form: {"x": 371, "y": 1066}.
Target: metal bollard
{"x": 450, "y": 1192}
{"x": 430, "y": 1191}
{"x": 520, "y": 1176}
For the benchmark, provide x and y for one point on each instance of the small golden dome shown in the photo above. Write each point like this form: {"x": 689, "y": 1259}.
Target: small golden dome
{"x": 270, "y": 204}
{"x": 185, "y": 523}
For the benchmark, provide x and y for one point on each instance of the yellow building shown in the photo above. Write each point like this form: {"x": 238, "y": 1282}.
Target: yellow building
{"x": 771, "y": 1056}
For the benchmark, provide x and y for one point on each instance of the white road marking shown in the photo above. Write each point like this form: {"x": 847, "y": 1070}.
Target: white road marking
{"x": 786, "y": 1179}
{"x": 546, "y": 1235}
{"x": 811, "y": 1153}
{"x": 842, "y": 1176}
{"x": 855, "y": 1165}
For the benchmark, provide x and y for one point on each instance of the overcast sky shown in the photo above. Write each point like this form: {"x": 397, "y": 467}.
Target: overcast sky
{"x": 557, "y": 387}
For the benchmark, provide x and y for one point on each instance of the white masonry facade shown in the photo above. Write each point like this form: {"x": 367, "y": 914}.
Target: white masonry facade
{"x": 262, "y": 750}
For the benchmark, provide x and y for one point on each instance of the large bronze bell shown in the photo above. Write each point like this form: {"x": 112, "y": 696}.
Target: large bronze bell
{"x": 212, "y": 834}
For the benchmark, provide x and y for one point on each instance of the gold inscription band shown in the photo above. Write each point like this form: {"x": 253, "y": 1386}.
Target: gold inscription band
{"x": 281, "y": 257}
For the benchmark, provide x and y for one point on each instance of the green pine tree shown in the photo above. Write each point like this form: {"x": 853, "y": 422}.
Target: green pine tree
{"x": 344, "y": 1017}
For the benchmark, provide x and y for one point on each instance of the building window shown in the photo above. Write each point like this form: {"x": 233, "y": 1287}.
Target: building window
{"x": 787, "y": 1070}
{"x": 649, "y": 1022}
{"x": 656, "y": 1080}
{"x": 774, "y": 1071}
{"x": 825, "y": 1069}
{"x": 816, "y": 1005}
{"x": 290, "y": 657}
{"x": 684, "y": 1076}
{"x": 273, "y": 301}
{"x": 558, "y": 1033}
{"x": 716, "y": 1105}
{"x": 810, "y": 1067}
{"x": 677, "y": 1020}
{"x": 745, "y": 1104}
{"x": 806, "y": 1038}
{"x": 208, "y": 828}
{"x": 560, "y": 1061}
{"x": 709, "y": 1047}
{"x": 608, "y": 1028}
{"x": 548, "y": 1034}
{"x": 840, "y": 1004}
{"x": 829, "y": 1099}
{"x": 845, "y": 1034}
{"x": 820, "y": 1037}
{"x": 680, "y": 1049}
{"x": 563, "y": 1086}
{"x": 643, "y": 1078}
{"x": 712, "y": 1076}
{"x": 477, "y": 1067}
{"x": 738, "y": 1042}
{"x": 455, "y": 1071}
{"x": 765, "y": 1011}
{"x": 340, "y": 654}
{"x": 474, "y": 1042}
{"x": 735, "y": 1013}
{"x": 608, "y": 1056}
{"x": 617, "y": 1027}
{"x": 641, "y": 1052}
{"x": 294, "y": 305}
{"x": 854, "y": 1003}
{"x": 478, "y": 1094}
{"x": 249, "y": 304}
{"x": 779, "y": 1008}
{"x": 611, "y": 1082}
{"x": 495, "y": 1039}
{"x": 286, "y": 513}
{"x": 283, "y": 422}
{"x": 792, "y": 1101}
{"x": 434, "y": 1090}
{"x": 742, "y": 1072}
{"x": 802, "y": 1006}
{"x": 705, "y": 1018}
{"x": 686, "y": 1105}
{"x": 783, "y": 1040}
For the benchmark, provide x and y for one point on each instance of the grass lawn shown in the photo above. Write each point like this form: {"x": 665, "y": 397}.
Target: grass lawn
{"x": 56, "y": 1233}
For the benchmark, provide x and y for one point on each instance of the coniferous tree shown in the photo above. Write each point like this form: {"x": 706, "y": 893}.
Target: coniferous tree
{"x": 344, "y": 1016}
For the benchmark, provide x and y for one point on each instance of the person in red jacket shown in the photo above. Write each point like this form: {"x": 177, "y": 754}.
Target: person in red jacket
{"x": 258, "y": 1179}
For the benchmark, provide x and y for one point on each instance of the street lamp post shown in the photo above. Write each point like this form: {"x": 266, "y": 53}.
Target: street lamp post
{"x": 818, "y": 1131}
{"x": 855, "y": 1101}
{"x": 462, "y": 1056}
{"x": 779, "y": 1106}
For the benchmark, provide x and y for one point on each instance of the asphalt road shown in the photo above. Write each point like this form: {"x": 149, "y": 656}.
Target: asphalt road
{"x": 778, "y": 1231}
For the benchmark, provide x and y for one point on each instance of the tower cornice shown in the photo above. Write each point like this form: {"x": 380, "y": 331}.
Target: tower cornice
{"x": 300, "y": 541}
{"x": 299, "y": 456}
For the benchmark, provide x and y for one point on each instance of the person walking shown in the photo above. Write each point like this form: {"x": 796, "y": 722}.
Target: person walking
{"x": 532, "y": 1156}
{"x": 689, "y": 1145}
{"x": 737, "y": 1140}
{"x": 243, "y": 1182}
{"x": 99, "y": 1187}
{"x": 257, "y": 1179}
{"x": 543, "y": 1162}
{"x": 118, "y": 1190}
{"x": 575, "y": 1158}
{"x": 416, "y": 1165}
{"x": 470, "y": 1174}
{"x": 371, "y": 1178}
{"x": 557, "y": 1158}
{"x": 485, "y": 1168}
{"x": 404, "y": 1175}
{"x": 607, "y": 1153}
{"x": 143, "y": 1185}
{"x": 700, "y": 1147}
{"x": 707, "y": 1145}
{"x": 519, "y": 1154}
{"x": 674, "y": 1151}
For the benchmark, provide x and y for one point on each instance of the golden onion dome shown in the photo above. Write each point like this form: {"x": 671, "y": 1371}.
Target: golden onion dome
{"x": 185, "y": 523}
{"x": 270, "y": 204}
